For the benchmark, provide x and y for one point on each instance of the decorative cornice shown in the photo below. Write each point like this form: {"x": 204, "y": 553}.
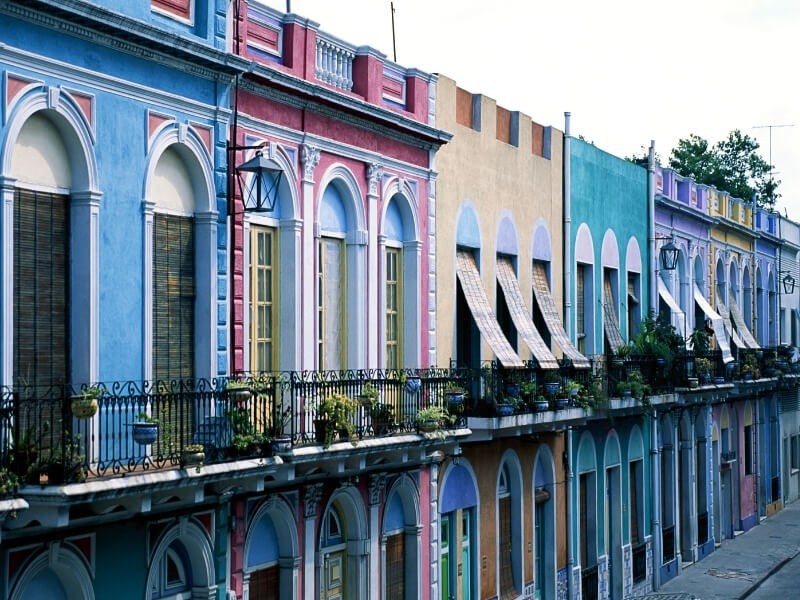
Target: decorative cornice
{"x": 339, "y": 107}
{"x": 120, "y": 32}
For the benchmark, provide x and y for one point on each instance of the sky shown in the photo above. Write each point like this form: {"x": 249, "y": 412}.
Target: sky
{"x": 628, "y": 71}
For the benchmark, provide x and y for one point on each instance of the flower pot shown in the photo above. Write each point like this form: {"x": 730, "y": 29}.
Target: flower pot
{"x": 413, "y": 383}
{"x": 239, "y": 396}
{"x": 381, "y": 426}
{"x": 83, "y": 407}
{"x": 719, "y": 380}
{"x": 145, "y": 433}
{"x": 541, "y": 405}
{"x": 193, "y": 457}
{"x": 692, "y": 382}
{"x": 512, "y": 389}
{"x": 322, "y": 435}
{"x": 562, "y": 403}
{"x": 505, "y": 410}
{"x": 455, "y": 402}
{"x": 428, "y": 426}
{"x": 551, "y": 387}
{"x": 282, "y": 444}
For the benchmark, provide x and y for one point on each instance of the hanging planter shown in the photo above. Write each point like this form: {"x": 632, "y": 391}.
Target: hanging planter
{"x": 85, "y": 404}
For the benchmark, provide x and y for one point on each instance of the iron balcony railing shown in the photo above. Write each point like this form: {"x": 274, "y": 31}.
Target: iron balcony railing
{"x": 142, "y": 426}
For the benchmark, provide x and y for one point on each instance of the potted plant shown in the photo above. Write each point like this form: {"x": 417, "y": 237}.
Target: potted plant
{"x": 527, "y": 389}
{"x": 239, "y": 391}
{"x": 9, "y": 482}
{"x": 411, "y": 381}
{"x": 193, "y": 454}
{"x": 381, "y": 417}
{"x": 573, "y": 388}
{"x": 541, "y": 404}
{"x": 65, "y": 464}
{"x": 334, "y": 414}
{"x": 84, "y": 404}
{"x": 433, "y": 417}
{"x": 369, "y": 394}
{"x": 620, "y": 356}
{"x": 506, "y": 406}
{"x": 639, "y": 388}
{"x": 750, "y": 368}
{"x": 700, "y": 342}
{"x": 552, "y": 381}
{"x": 624, "y": 389}
{"x": 703, "y": 366}
{"x": 145, "y": 429}
{"x": 454, "y": 395}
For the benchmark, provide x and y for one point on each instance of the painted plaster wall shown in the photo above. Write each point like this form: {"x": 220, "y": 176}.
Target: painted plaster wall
{"x": 608, "y": 193}
{"x": 208, "y": 23}
{"x": 486, "y": 460}
{"x": 495, "y": 179}
{"x": 124, "y": 88}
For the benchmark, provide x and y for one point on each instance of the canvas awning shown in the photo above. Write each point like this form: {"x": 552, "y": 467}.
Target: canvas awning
{"x": 610, "y": 322}
{"x": 726, "y": 321}
{"x": 678, "y": 316}
{"x": 470, "y": 278}
{"x": 716, "y": 324}
{"x": 521, "y": 315}
{"x": 741, "y": 326}
{"x": 547, "y": 306}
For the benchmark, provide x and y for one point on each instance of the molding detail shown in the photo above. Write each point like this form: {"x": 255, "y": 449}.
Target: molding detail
{"x": 309, "y": 157}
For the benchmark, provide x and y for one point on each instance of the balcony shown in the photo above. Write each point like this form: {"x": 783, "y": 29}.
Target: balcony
{"x": 43, "y": 441}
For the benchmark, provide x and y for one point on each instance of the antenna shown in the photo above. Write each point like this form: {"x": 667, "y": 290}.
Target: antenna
{"x": 771, "y": 127}
{"x": 394, "y": 45}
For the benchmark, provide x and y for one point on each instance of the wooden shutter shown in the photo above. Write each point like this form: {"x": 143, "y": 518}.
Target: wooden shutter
{"x": 507, "y": 589}
{"x": 395, "y": 567}
{"x": 41, "y": 288}
{"x": 173, "y": 297}
{"x": 265, "y": 584}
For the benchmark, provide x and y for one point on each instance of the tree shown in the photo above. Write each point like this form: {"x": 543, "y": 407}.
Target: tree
{"x": 732, "y": 165}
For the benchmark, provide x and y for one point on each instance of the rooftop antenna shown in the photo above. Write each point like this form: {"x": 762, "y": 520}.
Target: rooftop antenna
{"x": 394, "y": 45}
{"x": 771, "y": 127}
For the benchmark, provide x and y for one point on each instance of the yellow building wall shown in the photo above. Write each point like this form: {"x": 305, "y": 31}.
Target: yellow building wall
{"x": 494, "y": 178}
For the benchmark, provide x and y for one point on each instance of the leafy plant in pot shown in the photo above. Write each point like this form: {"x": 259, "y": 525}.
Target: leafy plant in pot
{"x": 433, "y": 417}
{"x": 239, "y": 391}
{"x": 506, "y": 406}
{"x": 552, "y": 381}
{"x": 369, "y": 394}
{"x": 381, "y": 416}
{"x": 145, "y": 429}
{"x": 84, "y": 405}
{"x": 333, "y": 414}
{"x": 455, "y": 396}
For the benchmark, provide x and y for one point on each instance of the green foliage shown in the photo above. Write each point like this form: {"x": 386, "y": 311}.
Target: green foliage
{"x": 435, "y": 414}
{"x": 656, "y": 337}
{"x": 368, "y": 390}
{"x": 732, "y": 165}
{"x": 700, "y": 341}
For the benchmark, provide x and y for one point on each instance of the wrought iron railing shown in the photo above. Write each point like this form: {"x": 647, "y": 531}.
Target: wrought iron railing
{"x": 145, "y": 426}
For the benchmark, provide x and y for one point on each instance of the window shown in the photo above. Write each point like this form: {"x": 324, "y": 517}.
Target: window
{"x": 394, "y": 294}
{"x": 330, "y": 302}
{"x": 172, "y": 576}
{"x": 748, "y": 450}
{"x": 580, "y": 308}
{"x": 41, "y": 288}
{"x": 636, "y": 500}
{"x": 182, "y": 10}
{"x": 173, "y": 297}
{"x": 395, "y": 566}
{"x": 505, "y": 545}
{"x": 263, "y": 312}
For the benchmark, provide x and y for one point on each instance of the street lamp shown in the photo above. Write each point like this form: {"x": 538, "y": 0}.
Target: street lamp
{"x": 260, "y": 193}
{"x": 669, "y": 256}
{"x": 788, "y": 283}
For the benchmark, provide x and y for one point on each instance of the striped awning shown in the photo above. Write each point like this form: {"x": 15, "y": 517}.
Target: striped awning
{"x": 678, "y": 317}
{"x": 722, "y": 310}
{"x": 741, "y": 326}
{"x": 610, "y": 322}
{"x": 521, "y": 315}
{"x": 470, "y": 278}
{"x": 547, "y": 306}
{"x": 716, "y": 324}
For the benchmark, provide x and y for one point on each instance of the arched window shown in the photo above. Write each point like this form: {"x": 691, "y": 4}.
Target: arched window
{"x": 507, "y": 523}
{"x": 172, "y": 576}
{"x": 334, "y": 557}
{"x": 332, "y": 283}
